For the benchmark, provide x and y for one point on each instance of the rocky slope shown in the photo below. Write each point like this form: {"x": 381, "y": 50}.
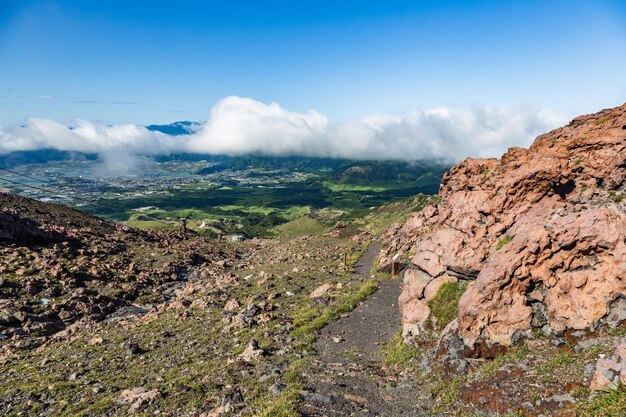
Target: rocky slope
{"x": 58, "y": 266}
{"x": 539, "y": 235}
{"x": 101, "y": 319}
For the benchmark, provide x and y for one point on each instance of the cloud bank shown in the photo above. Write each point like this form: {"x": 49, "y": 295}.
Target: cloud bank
{"x": 239, "y": 126}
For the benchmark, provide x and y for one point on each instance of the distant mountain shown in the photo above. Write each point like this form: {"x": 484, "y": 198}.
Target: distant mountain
{"x": 176, "y": 128}
{"x": 41, "y": 156}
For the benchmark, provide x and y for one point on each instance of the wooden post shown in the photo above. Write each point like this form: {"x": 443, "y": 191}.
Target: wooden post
{"x": 345, "y": 260}
{"x": 395, "y": 266}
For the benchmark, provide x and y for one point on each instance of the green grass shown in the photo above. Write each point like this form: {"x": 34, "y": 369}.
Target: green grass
{"x": 398, "y": 353}
{"x": 515, "y": 354}
{"x": 444, "y": 306}
{"x": 546, "y": 371}
{"x": 308, "y": 320}
{"x": 505, "y": 240}
{"x": 380, "y": 218}
{"x": 302, "y": 226}
{"x": 618, "y": 198}
{"x": 152, "y": 224}
{"x": 447, "y": 393}
{"x": 283, "y": 405}
{"x": 600, "y": 121}
{"x": 339, "y": 186}
{"x": 610, "y": 403}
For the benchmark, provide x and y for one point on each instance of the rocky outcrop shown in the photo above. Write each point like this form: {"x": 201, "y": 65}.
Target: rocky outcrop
{"x": 540, "y": 233}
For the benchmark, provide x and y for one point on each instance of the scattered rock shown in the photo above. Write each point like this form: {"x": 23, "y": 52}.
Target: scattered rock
{"x": 252, "y": 352}
{"x": 95, "y": 341}
{"x": 218, "y": 411}
{"x": 133, "y": 348}
{"x": 610, "y": 372}
{"x": 277, "y": 388}
{"x": 138, "y": 398}
{"x": 232, "y": 305}
{"x": 355, "y": 398}
{"x": 321, "y": 291}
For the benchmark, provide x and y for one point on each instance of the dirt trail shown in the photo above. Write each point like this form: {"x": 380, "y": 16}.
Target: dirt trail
{"x": 346, "y": 377}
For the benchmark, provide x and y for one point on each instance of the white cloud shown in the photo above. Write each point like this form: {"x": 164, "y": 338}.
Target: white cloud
{"x": 242, "y": 125}
{"x": 83, "y": 136}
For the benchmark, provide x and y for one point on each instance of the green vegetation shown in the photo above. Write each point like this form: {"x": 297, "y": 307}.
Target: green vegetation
{"x": 444, "y": 306}
{"x": 398, "y": 353}
{"x": 618, "y": 198}
{"x": 302, "y": 226}
{"x": 578, "y": 161}
{"x": 600, "y": 121}
{"x": 185, "y": 359}
{"x": 376, "y": 220}
{"x": 447, "y": 393}
{"x": 307, "y": 320}
{"x": 610, "y": 403}
{"x": 254, "y": 195}
{"x": 558, "y": 362}
{"x": 505, "y": 240}
{"x": 489, "y": 367}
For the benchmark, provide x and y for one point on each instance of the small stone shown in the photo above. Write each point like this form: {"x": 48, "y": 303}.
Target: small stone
{"x": 321, "y": 291}
{"x": 355, "y": 398}
{"x": 138, "y": 397}
{"x": 233, "y": 396}
{"x": 252, "y": 352}
{"x": 95, "y": 341}
{"x": 133, "y": 349}
{"x": 277, "y": 388}
{"x": 232, "y": 305}
{"x": 557, "y": 341}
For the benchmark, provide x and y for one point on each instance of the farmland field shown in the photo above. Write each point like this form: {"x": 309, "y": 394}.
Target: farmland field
{"x": 223, "y": 196}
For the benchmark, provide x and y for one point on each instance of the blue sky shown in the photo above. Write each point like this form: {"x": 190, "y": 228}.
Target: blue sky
{"x": 160, "y": 61}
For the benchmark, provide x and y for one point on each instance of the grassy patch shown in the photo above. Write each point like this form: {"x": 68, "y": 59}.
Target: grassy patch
{"x": 618, "y": 198}
{"x": 308, "y": 320}
{"x": 286, "y": 403}
{"x": 505, "y": 240}
{"x": 376, "y": 220}
{"x": 514, "y": 355}
{"x": 611, "y": 403}
{"x": 600, "y": 121}
{"x": 300, "y": 227}
{"x": 355, "y": 255}
{"x": 558, "y": 362}
{"x": 398, "y": 353}
{"x": 447, "y": 393}
{"x": 445, "y": 305}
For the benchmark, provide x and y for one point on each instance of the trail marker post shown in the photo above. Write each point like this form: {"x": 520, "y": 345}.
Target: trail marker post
{"x": 395, "y": 265}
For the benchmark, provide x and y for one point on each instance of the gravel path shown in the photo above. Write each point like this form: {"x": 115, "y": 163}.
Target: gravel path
{"x": 346, "y": 377}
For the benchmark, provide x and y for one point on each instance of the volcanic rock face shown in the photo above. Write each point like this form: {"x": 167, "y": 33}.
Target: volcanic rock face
{"x": 540, "y": 233}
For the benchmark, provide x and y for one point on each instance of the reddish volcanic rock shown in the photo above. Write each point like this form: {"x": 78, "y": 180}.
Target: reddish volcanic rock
{"x": 541, "y": 231}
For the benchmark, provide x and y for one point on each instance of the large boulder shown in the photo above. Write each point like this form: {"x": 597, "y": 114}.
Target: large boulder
{"x": 540, "y": 233}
